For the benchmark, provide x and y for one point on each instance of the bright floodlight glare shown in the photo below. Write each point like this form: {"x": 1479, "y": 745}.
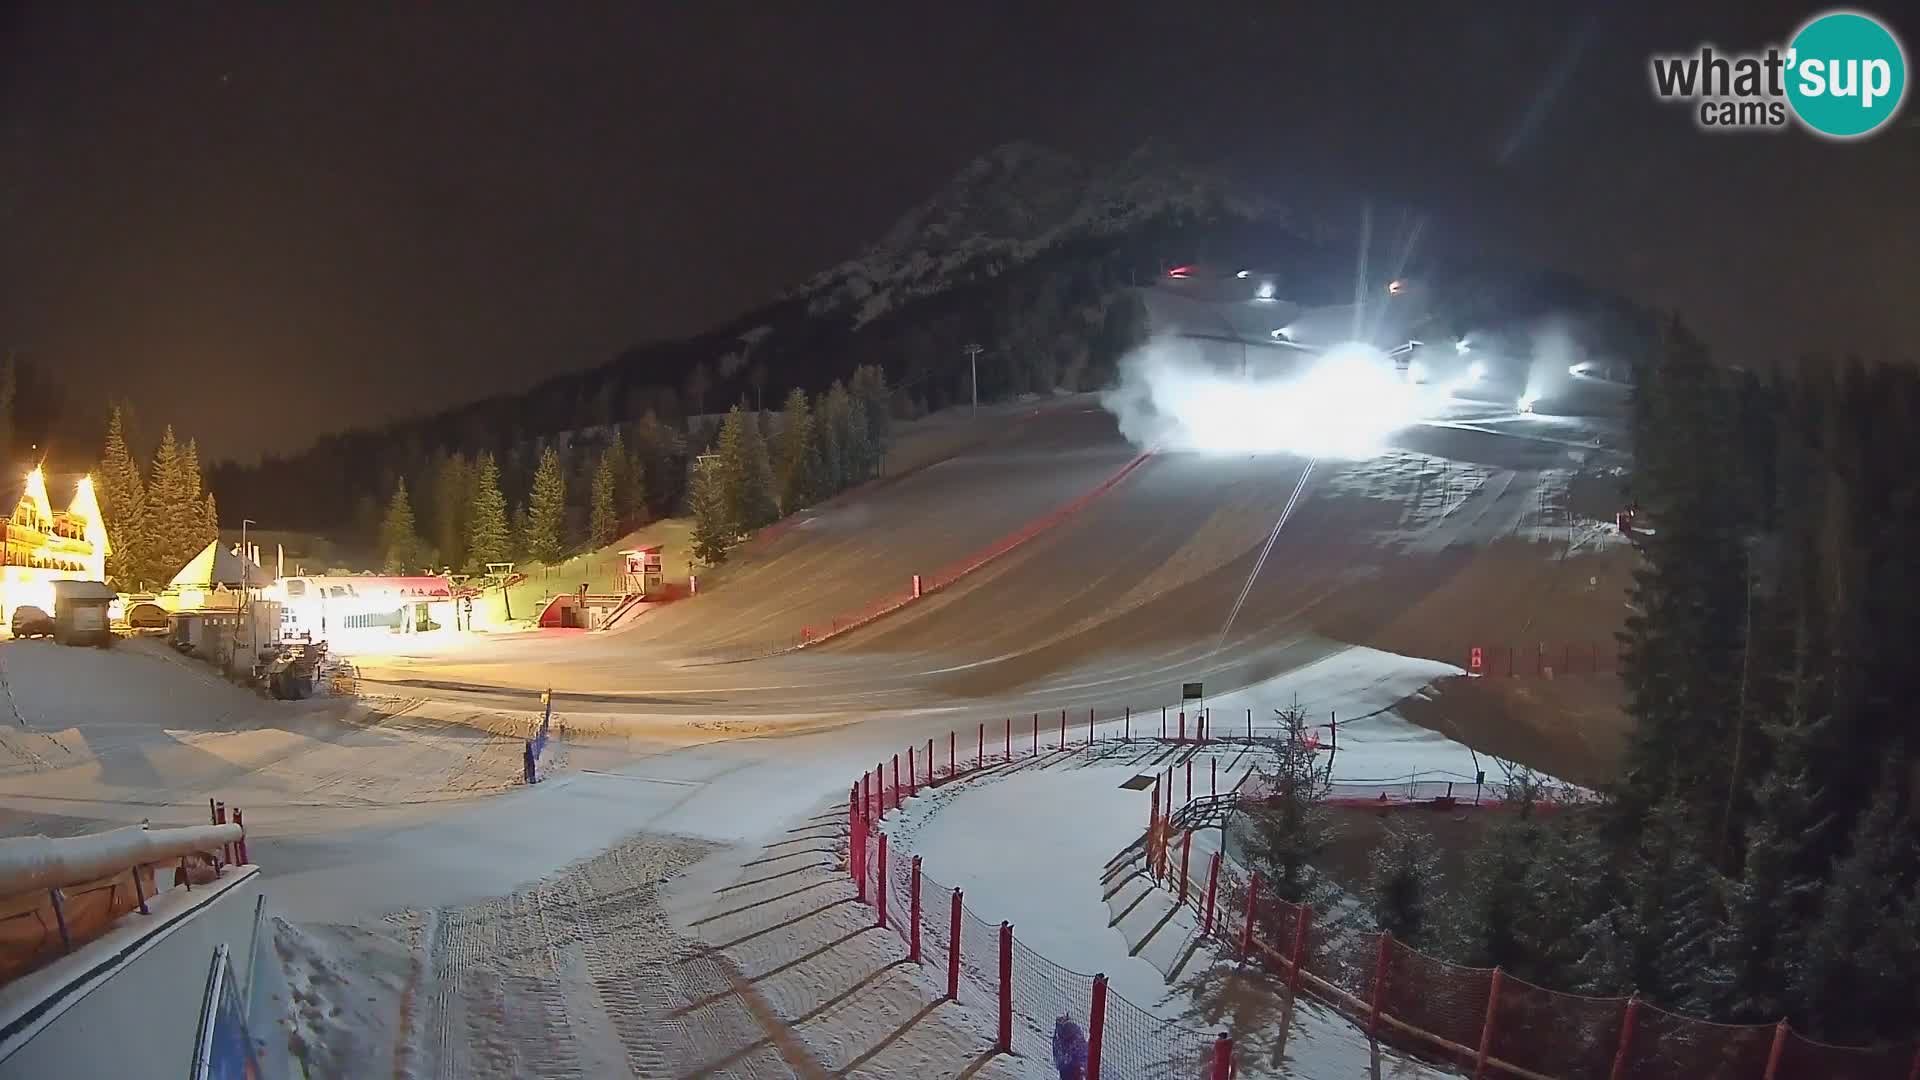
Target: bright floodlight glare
{"x": 1284, "y": 332}
{"x": 1346, "y": 404}
{"x": 1476, "y": 371}
{"x": 1461, "y": 347}
{"x": 1242, "y": 273}
{"x": 1579, "y": 369}
{"x": 1394, "y": 287}
{"x": 1526, "y": 403}
{"x": 1265, "y": 291}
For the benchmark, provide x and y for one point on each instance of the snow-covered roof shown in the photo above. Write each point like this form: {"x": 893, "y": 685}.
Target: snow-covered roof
{"x": 216, "y": 565}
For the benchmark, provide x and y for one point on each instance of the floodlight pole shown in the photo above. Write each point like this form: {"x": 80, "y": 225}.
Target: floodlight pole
{"x": 973, "y": 361}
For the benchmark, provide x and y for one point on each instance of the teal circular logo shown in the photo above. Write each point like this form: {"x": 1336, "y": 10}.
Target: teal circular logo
{"x": 1846, "y": 74}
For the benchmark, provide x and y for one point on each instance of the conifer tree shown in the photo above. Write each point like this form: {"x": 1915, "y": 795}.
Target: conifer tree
{"x": 654, "y": 480}
{"x": 453, "y": 491}
{"x": 171, "y": 518}
{"x": 1290, "y": 826}
{"x": 794, "y": 480}
{"x": 1856, "y": 980}
{"x": 629, "y": 484}
{"x": 209, "y": 521}
{"x": 869, "y": 389}
{"x": 489, "y": 537}
{"x": 829, "y": 426}
{"x": 713, "y": 530}
{"x": 604, "y": 521}
{"x": 399, "y": 537}
{"x": 1671, "y": 920}
{"x": 123, "y": 502}
{"x": 547, "y": 510}
{"x": 758, "y": 506}
{"x": 1403, "y": 873}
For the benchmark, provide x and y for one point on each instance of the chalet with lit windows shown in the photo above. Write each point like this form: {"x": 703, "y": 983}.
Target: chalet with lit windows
{"x": 45, "y": 545}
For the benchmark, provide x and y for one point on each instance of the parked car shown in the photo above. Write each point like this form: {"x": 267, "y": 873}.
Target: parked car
{"x": 30, "y": 621}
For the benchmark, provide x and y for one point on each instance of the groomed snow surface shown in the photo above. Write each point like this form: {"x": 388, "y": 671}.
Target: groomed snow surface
{"x": 1032, "y": 843}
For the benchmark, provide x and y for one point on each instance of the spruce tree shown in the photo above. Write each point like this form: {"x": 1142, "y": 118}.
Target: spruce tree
{"x": 171, "y": 519}
{"x": 604, "y": 521}
{"x": 522, "y": 533}
{"x": 838, "y": 448}
{"x": 727, "y": 469}
{"x": 453, "y": 490}
{"x": 869, "y": 389}
{"x": 489, "y": 538}
{"x": 1402, "y": 880}
{"x": 1856, "y": 982}
{"x": 399, "y": 537}
{"x": 209, "y": 521}
{"x": 123, "y": 502}
{"x": 794, "y": 478}
{"x": 651, "y": 454}
{"x": 1671, "y": 919}
{"x": 628, "y": 485}
{"x": 713, "y": 531}
{"x": 546, "y": 539}
{"x": 191, "y": 485}
{"x": 759, "y": 508}
{"x": 1289, "y": 826}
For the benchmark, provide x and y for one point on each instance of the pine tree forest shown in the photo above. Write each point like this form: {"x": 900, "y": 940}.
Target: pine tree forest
{"x": 1757, "y": 857}
{"x": 158, "y": 517}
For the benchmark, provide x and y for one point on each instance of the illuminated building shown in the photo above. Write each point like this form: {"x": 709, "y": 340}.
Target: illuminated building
{"x": 44, "y": 545}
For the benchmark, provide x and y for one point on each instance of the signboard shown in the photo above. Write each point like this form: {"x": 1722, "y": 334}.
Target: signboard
{"x": 1190, "y": 691}
{"x": 1475, "y": 661}
{"x": 224, "y": 1050}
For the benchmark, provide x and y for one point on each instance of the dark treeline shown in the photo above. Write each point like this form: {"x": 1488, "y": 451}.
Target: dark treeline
{"x": 1757, "y": 858}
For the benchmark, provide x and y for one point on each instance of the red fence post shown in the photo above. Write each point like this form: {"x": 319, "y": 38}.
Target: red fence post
{"x": 866, "y": 803}
{"x": 1005, "y": 1045}
{"x": 880, "y": 884}
{"x": 933, "y": 770}
{"x": 1213, "y": 776}
{"x": 1186, "y": 856}
{"x": 896, "y": 781}
{"x": 913, "y": 934}
{"x": 1303, "y": 918}
{"x": 1779, "y": 1048}
{"x": 1379, "y": 984}
{"x": 911, "y": 781}
{"x": 1153, "y": 811}
{"x": 1213, "y": 883}
{"x": 1253, "y": 906}
{"x": 1487, "y": 1027}
{"x": 953, "y": 951}
{"x": 1222, "y": 1057}
{"x": 1189, "y": 781}
{"x": 1627, "y": 1020}
{"x": 857, "y": 841}
{"x": 1096, "y": 1026}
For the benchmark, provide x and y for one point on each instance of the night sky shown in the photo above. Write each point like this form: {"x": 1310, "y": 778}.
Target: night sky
{"x": 263, "y": 221}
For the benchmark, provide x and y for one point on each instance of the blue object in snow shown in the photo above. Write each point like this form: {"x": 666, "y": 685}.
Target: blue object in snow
{"x": 1069, "y": 1049}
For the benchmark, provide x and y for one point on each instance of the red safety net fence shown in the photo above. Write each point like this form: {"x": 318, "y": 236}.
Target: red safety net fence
{"x": 986, "y": 968}
{"x": 1483, "y": 1019}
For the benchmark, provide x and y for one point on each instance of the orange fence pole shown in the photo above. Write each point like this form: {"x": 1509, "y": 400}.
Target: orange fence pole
{"x": 1486, "y": 1027}
{"x": 1223, "y": 1057}
{"x": 1627, "y": 1020}
{"x": 1779, "y": 1047}
{"x": 1302, "y": 918}
{"x": 1186, "y": 856}
{"x": 953, "y": 951}
{"x": 1096, "y": 1026}
{"x": 1213, "y": 883}
{"x": 913, "y": 934}
{"x": 880, "y": 885}
{"x": 1005, "y": 1043}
